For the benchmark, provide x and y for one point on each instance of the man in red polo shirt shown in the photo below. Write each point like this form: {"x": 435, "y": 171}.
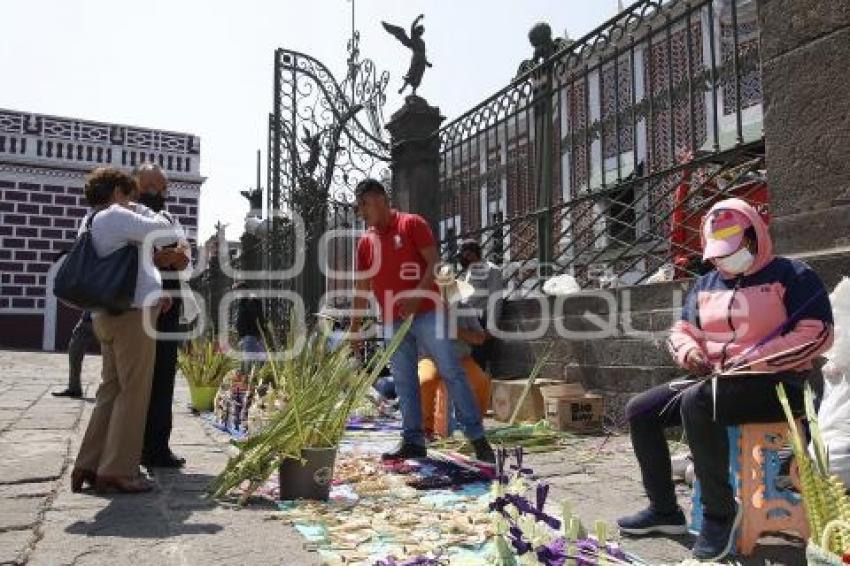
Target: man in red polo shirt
{"x": 396, "y": 261}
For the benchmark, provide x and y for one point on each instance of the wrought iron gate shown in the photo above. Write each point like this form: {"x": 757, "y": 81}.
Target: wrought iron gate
{"x": 324, "y": 137}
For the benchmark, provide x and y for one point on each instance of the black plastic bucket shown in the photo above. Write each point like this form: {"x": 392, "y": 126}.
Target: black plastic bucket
{"x": 310, "y": 480}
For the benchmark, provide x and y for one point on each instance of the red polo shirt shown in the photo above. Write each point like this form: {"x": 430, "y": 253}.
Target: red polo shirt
{"x": 393, "y": 256}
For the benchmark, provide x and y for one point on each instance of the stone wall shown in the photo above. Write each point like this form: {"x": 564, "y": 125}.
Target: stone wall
{"x": 805, "y": 50}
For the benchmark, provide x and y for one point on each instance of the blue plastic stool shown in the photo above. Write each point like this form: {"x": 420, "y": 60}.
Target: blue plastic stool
{"x": 753, "y": 469}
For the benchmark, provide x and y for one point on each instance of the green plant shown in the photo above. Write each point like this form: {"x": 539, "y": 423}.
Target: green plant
{"x": 203, "y": 365}
{"x": 824, "y": 494}
{"x": 320, "y": 388}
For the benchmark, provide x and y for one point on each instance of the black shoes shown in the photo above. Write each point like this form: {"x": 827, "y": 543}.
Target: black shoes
{"x": 715, "y": 541}
{"x": 483, "y": 451}
{"x": 649, "y": 522}
{"x": 405, "y": 451}
{"x": 167, "y": 460}
{"x": 72, "y": 393}
{"x": 408, "y": 450}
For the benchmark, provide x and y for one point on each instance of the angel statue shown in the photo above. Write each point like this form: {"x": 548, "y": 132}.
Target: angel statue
{"x": 255, "y": 198}
{"x": 416, "y": 44}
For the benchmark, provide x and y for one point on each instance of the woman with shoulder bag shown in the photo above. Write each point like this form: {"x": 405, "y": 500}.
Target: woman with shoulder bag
{"x": 110, "y": 453}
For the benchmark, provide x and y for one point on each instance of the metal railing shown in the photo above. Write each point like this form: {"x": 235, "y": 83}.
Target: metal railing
{"x": 600, "y": 160}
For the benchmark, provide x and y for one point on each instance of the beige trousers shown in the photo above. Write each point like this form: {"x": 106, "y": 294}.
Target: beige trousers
{"x": 112, "y": 445}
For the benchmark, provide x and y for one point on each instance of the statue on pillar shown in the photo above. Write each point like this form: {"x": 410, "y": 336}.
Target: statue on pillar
{"x": 416, "y": 44}
{"x": 255, "y": 199}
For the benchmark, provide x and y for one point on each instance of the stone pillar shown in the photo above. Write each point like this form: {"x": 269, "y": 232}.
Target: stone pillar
{"x": 805, "y": 53}
{"x": 416, "y": 159}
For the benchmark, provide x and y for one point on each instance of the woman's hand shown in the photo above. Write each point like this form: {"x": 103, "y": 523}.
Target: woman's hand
{"x": 696, "y": 362}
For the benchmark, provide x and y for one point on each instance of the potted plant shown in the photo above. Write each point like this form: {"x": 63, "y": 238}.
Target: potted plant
{"x": 316, "y": 388}
{"x": 204, "y": 366}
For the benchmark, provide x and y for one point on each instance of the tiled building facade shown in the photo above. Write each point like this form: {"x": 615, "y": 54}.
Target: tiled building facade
{"x": 43, "y": 164}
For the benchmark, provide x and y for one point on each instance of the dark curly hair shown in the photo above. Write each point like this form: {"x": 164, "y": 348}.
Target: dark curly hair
{"x": 102, "y": 183}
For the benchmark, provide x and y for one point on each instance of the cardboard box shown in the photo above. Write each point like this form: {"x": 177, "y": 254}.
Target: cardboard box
{"x": 506, "y": 394}
{"x": 576, "y": 414}
{"x": 562, "y": 390}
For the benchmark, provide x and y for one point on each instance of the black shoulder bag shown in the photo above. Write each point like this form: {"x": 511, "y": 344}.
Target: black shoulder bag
{"x": 90, "y": 282}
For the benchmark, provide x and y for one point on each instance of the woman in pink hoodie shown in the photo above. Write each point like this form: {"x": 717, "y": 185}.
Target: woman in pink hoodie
{"x": 755, "y": 321}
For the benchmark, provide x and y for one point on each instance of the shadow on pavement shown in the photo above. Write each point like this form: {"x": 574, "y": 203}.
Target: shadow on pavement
{"x": 788, "y": 550}
{"x": 163, "y": 513}
{"x": 777, "y": 549}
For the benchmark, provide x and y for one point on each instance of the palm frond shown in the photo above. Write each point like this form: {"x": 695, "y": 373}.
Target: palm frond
{"x": 203, "y": 365}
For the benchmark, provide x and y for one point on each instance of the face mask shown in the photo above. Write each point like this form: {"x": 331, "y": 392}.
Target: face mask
{"x": 154, "y": 201}
{"x": 737, "y": 263}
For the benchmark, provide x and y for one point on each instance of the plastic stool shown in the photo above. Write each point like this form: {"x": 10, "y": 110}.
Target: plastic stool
{"x": 754, "y": 467}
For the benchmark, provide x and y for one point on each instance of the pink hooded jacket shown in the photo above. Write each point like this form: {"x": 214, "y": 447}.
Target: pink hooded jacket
{"x": 774, "y": 317}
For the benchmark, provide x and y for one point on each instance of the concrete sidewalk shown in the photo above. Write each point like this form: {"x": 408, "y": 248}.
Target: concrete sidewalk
{"x": 42, "y": 522}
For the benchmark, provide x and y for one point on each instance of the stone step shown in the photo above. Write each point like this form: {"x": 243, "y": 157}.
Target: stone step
{"x": 579, "y": 310}
{"x": 656, "y": 321}
{"x": 615, "y": 352}
{"x": 633, "y": 379}
{"x": 830, "y": 265}
{"x": 811, "y": 231}
{"x": 516, "y": 357}
{"x": 643, "y": 298}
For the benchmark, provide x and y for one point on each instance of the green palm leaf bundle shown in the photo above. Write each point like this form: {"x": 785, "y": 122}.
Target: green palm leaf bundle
{"x": 320, "y": 388}
{"x": 824, "y": 494}
{"x": 203, "y": 364}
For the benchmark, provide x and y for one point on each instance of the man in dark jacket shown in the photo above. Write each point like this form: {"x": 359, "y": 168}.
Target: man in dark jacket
{"x": 153, "y": 187}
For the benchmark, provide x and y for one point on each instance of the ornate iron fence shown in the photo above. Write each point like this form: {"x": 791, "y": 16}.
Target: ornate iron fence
{"x": 324, "y": 137}
{"x": 600, "y": 157}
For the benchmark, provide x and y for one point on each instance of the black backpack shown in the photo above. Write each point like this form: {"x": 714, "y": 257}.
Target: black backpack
{"x": 90, "y": 282}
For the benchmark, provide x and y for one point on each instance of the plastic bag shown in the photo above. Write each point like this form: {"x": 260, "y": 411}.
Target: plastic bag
{"x": 665, "y": 273}
{"x": 834, "y": 412}
{"x": 561, "y": 285}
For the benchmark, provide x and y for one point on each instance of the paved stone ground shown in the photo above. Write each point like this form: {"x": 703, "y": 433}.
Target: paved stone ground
{"x": 608, "y": 485}
{"x": 42, "y": 522}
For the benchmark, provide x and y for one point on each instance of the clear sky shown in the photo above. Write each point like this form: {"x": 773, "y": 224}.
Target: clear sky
{"x": 205, "y": 66}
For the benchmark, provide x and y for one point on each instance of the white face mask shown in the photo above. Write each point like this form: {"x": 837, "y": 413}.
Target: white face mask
{"x": 737, "y": 263}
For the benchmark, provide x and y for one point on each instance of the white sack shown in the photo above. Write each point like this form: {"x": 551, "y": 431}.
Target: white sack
{"x": 834, "y": 412}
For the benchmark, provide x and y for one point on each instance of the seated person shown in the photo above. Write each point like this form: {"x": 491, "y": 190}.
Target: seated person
{"x": 469, "y": 333}
{"x": 751, "y": 323}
